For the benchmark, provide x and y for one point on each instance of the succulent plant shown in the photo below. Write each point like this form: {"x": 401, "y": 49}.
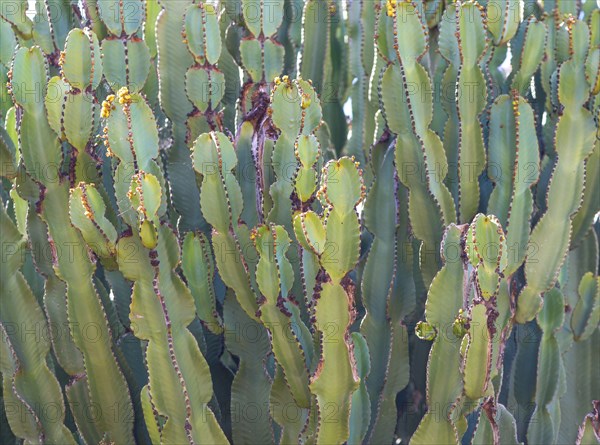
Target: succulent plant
{"x": 314, "y": 222}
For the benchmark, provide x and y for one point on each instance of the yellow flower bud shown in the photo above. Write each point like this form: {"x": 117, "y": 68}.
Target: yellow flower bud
{"x": 306, "y": 101}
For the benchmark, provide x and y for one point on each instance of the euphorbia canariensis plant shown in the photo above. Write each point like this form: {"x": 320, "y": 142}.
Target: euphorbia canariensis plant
{"x": 299, "y": 222}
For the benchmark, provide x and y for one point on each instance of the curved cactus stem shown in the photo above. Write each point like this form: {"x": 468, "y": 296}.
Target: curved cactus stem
{"x": 420, "y": 158}
{"x": 575, "y": 129}
{"x": 444, "y": 380}
{"x": 249, "y": 174}
{"x": 531, "y": 44}
{"x": 55, "y": 298}
{"x": 581, "y": 260}
{"x": 126, "y": 63}
{"x": 295, "y": 423}
{"x": 496, "y": 425}
{"x": 382, "y": 326}
{"x": 175, "y": 364}
{"x": 341, "y": 191}
{"x": 73, "y": 264}
{"x": 87, "y": 212}
{"x": 478, "y": 354}
{"x": 198, "y": 267}
{"x": 18, "y": 19}
{"x": 204, "y": 82}
{"x": 335, "y": 378}
{"x": 397, "y": 377}
{"x": 85, "y": 309}
{"x": 274, "y": 276}
{"x": 469, "y": 331}
{"x": 251, "y": 386}
{"x": 221, "y": 196}
{"x": 51, "y": 25}
{"x": 320, "y": 51}
{"x": 7, "y": 155}
{"x": 174, "y": 60}
{"x": 231, "y": 71}
{"x": 295, "y": 158}
{"x": 511, "y": 124}
{"x": 227, "y": 252}
{"x": 30, "y": 68}
{"x": 120, "y": 19}
{"x": 79, "y": 400}
{"x": 27, "y": 380}
{"x": 504, "y": 18}
{"x": 296, "y": 111}
{"x": 550, "y": 318}
{"x": 401, "y": 303}
{"x": 470, "y": 102}
{"x": 586, "y": 313}
{"x": 580, "y": 365}
{"x": 450, "y": 53}
{"x": 360, "y": 414}
{"x": 485, "y": 248}
{"x": 590, "y": 202}
{"x": 361, "y": 58}
{"x": 379, "y": 273}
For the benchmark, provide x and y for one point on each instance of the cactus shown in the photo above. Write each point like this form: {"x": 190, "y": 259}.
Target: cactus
{"x": 576, "y": 120}
{"x": 420, "y": 158}
{"x": 335, "y": 378}
{"x": 288, "y": 222}
{"x": 28, "y": 384}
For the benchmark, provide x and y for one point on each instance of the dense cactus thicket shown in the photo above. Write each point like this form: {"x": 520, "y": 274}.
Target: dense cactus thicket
{"x": 299, "y": 222}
